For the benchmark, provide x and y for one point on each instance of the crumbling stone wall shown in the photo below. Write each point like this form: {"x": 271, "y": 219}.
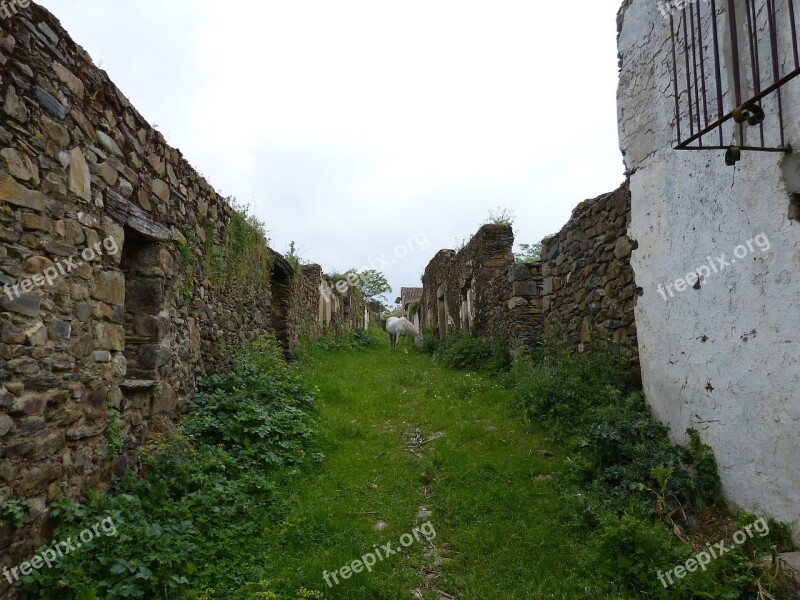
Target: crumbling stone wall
{"x": 175, "y": 282}
{"x": 336, "y": 308}
{"x": 582, "y": 290}
{"x": 466, "y": 289}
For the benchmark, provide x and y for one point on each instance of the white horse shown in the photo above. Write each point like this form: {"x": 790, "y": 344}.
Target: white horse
{"x": 401, "y": 326}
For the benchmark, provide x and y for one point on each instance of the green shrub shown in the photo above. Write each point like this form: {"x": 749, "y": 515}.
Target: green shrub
{"x": 260, "y": 413}
{"x": 151, "y": 555}
{"x": 626, "y": 483}
{"x": 204, "y": 493}
{"x": 12, "y": 511}
{"x": 463, "y": 350}
{"x": 558, "y": 389}
{"x": 633, "y": 550}
{"x": 706, "y": 484}
{"x": 114, "y": 435}
{"x": 430, "y": 339}
{"x": 353, "y": 339}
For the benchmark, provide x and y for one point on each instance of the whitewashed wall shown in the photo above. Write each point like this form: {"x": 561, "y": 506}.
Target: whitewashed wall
{"x": 724, "y": 358}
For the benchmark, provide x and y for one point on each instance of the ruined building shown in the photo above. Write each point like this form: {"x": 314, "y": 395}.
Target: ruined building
{"x": 581, "y": 291}
{"x": 124, "y": 277}
{"x": 693, "y": 263}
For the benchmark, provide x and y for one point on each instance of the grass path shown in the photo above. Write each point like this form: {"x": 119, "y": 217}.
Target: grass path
{"x": 406, "y": 443}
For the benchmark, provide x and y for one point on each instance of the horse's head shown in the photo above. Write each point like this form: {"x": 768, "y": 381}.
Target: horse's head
{"x": 418, "y": 340}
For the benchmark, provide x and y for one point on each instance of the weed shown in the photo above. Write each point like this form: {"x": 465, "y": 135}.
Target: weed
{"x": 352, "y": 339}
{"x": 625, "y": 481}
{"x": 114, "y": 435}
{"x": 463, "y": 350}
{"x": 203, "y": 493}
{"x": 13, "y": 511}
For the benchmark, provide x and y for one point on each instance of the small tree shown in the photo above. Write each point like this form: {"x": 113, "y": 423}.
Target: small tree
{"x": 372, "y": 283}
{"x": 528, "y": 253}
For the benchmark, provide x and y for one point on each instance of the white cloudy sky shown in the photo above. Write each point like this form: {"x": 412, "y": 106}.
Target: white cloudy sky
{"x": 351, "y": 126}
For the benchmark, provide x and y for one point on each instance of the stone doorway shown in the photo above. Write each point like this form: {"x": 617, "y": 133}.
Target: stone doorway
{"x": 145, "y": 264}
{"x": 441, "y": 297}
{"x": 280, "y": 282}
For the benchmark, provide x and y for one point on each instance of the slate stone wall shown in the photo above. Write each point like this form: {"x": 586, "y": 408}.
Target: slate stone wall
{"x": 127, "y": 277}
{"x": 580, "y": 292}
{"x": 466, "y": 289}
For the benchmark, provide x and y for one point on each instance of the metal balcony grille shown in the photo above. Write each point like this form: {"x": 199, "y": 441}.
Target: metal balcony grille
{"x": 729, "y": 63}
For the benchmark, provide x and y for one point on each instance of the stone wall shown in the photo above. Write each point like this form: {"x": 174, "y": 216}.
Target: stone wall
{"x": 466, "y": 289}
{"x": 336, "y": 309}
{"x": 582, "y": 290}
{"x": 433, "y": 308}
{"x": 133, "y": 276}
{"x": 718, "y": 344}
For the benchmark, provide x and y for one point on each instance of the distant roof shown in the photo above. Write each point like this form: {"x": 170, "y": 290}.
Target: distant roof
{"x": 409, "y": 294}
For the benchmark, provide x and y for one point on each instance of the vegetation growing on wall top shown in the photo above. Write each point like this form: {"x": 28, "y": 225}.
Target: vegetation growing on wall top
{"x": 244, "y": 255}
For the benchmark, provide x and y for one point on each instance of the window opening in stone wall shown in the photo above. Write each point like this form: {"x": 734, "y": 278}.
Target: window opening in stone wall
{"x": 730, "y": 59}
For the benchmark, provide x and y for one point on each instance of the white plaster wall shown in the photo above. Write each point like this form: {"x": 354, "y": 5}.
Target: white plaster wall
{"x": 724, "y": 359}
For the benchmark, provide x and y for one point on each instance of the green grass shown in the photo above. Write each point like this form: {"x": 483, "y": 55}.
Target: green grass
{"x": 493, "y": 501}
{"x": 548, "y": 481}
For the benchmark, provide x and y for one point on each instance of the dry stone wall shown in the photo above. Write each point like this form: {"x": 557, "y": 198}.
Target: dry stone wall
{"x": 124, "y": 276}
{"x": 467, "y": 289}
{"x": 581, "y": 291}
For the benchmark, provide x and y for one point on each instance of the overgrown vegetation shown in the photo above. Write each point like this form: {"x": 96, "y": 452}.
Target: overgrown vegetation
{"x": 501, "y": 216}
{"x": 463, "y": 350}
{"x": 293, "y": 257}
{"x": 244, "y": 255}
{"x": 234, "y": 506}
{"x": 645, "y": 504}
{"x": 209, "y": 501}
{"x": 114, "y": 435}
{"x": 12, "y": 511}
{"x": 413, "y": 307}
{"x": 352, "y": 339}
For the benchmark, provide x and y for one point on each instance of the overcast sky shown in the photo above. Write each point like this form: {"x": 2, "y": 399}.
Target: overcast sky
{"x": 355, "y": 127}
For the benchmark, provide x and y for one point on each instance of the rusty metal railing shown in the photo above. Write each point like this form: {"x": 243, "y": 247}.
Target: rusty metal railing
{"x": 730, "y": 60}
